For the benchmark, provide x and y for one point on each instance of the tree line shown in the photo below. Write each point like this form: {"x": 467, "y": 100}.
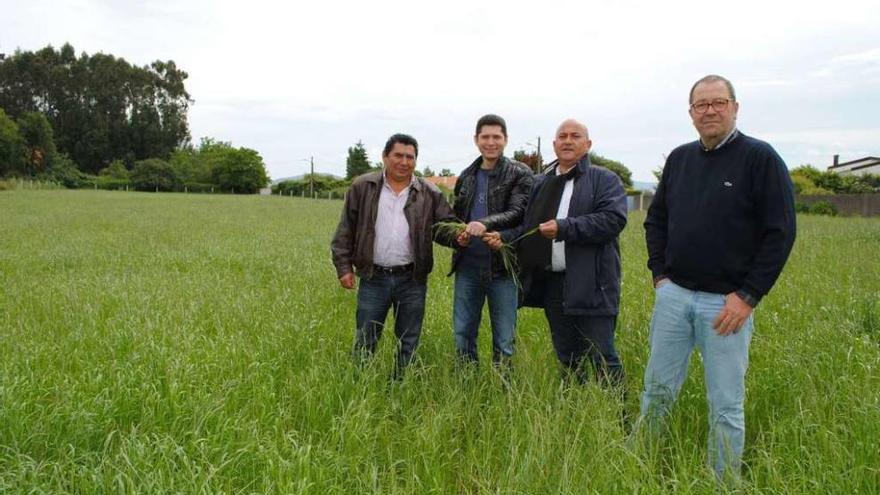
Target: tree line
{"x": 358, "y": 163}
{"x": 97, "y": 120}
{"x": 808, "y": 180}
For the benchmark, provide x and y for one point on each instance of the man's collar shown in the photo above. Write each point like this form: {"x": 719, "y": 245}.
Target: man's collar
{"x": 728, "y": 138}
{"x": 478, "y": 163}
{"x": 578, "y": 168}
{"x": 413, "y": 181}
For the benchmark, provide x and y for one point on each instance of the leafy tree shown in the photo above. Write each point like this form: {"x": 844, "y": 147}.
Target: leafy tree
{"x": 804, "y": 185}
{"x": 100, "y": 107}
{"x": 658, "y": 172}
{"x": 532, "y": 159}
{"x": 809, "y": 180}
{"x": 38, "y": 141}
{"x": 153, "y": 174}
{"x": 192, "y": 167}
{"x": 357, "y": 162}
{"x": 445, "y": 173}
{"x": 614, "y": 166}
{"x": 115, "y": 176}
{"x": 428, "y": 172}
{"x": 238, "y": 170}
{"x": 62, "y": 170}
{"x": 12, "y": 149}
{"x": 116, "y": 170}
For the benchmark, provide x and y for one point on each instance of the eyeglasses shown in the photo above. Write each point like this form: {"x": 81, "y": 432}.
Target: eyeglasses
{"x": 718, "y": 105}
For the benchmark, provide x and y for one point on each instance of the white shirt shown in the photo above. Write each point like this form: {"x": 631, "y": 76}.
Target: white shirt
{"x": 557, "y": 257}
{"x": 392, "y": 247}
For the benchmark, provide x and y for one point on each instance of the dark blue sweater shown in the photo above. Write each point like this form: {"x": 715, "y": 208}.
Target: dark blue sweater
{"x": 722, "y": 220}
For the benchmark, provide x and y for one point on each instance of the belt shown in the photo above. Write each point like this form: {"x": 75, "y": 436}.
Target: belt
{"x": 391, "y": 270}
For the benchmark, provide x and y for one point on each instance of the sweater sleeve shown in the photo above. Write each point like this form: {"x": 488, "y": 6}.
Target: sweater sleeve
{"x": 656, "y": 226}
{"x": 775, "y": 208}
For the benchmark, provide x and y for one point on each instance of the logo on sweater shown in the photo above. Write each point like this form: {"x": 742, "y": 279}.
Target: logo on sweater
{"x": 727, "y": 183}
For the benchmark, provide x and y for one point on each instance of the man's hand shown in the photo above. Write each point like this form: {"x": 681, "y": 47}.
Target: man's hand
{"x": 347, "y": 281}
{"x": 463, "y": 239}
{"x": 493, "y": 240}
{"x": 475, "y": 229}
{"x": 732, "y": 316}
{"x": 549, "y": 229}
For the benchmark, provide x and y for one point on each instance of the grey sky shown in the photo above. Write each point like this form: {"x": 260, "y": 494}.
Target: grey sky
{"x": 311, "y": 78}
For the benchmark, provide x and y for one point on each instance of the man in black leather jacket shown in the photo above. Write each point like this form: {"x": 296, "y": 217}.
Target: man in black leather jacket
{"x": 491, "y": 194}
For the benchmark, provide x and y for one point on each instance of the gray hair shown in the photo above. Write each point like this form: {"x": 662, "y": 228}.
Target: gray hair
{"x": 710, "y": 79}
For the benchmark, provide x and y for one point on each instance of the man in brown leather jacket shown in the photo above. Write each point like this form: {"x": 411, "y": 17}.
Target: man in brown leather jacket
{"x": 385, "y": 236}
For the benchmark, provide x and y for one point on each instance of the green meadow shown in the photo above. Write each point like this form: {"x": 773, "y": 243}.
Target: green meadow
{"x": 174, "y": 343}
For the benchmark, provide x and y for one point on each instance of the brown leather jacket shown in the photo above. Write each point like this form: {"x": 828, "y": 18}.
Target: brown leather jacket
{"x": 352, "y": 245}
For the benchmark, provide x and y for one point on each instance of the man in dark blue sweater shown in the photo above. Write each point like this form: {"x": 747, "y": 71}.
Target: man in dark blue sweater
{"x": 719, "y": 231}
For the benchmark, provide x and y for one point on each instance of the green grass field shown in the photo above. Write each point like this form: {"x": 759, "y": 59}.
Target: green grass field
{"x": 171, "y": 343}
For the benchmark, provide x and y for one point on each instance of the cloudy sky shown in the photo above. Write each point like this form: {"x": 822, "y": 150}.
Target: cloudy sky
{"x": 300, "y": 79}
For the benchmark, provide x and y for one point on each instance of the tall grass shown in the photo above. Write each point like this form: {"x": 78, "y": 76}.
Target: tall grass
{"x": 170, "y": 343}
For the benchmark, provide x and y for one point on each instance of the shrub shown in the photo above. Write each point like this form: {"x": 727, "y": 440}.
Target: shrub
{"x": 63, "y": 171}
{"x": 110, "y": 183}
{"x": 152, "y": 174}
{"x": 823, "y": 208}
{"x": 800, "y": 207}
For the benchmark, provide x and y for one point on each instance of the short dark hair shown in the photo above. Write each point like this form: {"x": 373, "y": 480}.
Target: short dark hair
{"x": 491, "y": 119}
{"x": 404, "y": 139}
{"x": 710, "y": 79}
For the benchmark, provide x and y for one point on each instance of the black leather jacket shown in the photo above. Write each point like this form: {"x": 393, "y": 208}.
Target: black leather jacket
{"x": 509, "y": 185}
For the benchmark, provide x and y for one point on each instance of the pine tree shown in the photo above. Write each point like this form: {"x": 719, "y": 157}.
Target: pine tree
{"x": 357, "y": 162}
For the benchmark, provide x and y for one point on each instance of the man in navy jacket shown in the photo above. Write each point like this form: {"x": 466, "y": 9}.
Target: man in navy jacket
{"x": 719, "y": 231}
{"x": 570, "y": 266}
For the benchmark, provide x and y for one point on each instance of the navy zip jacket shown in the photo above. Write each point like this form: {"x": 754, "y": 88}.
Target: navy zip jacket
{"x": 596, "y": 216}
{"x": 722, "y": 220}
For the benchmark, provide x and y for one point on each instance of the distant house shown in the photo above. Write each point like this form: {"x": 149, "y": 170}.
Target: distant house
{"x": 446, "y": 182}
{"x": 862, "y": 166}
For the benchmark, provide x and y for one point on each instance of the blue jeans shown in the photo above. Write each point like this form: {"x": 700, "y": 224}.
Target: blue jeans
{"x": 407, "y": 299}
{"x": 472, "y": 287}
{"x": 683, "y": 318}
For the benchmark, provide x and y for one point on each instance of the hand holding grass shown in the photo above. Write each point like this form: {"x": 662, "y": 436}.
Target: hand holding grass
{"x": 475, "y": 229}
{"x": 493, "y": 240}
{"x": 549, "y": 229}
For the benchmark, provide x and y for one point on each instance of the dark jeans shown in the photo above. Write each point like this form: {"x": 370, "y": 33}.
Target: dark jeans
{"x": 407, "y": 299}
{"x": 576, "y": 337}
{"x": 473, "y": 286}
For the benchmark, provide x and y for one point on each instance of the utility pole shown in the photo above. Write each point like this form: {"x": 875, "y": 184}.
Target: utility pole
{"x": 312, "y": 178}
{"x": 540, "y": 158}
